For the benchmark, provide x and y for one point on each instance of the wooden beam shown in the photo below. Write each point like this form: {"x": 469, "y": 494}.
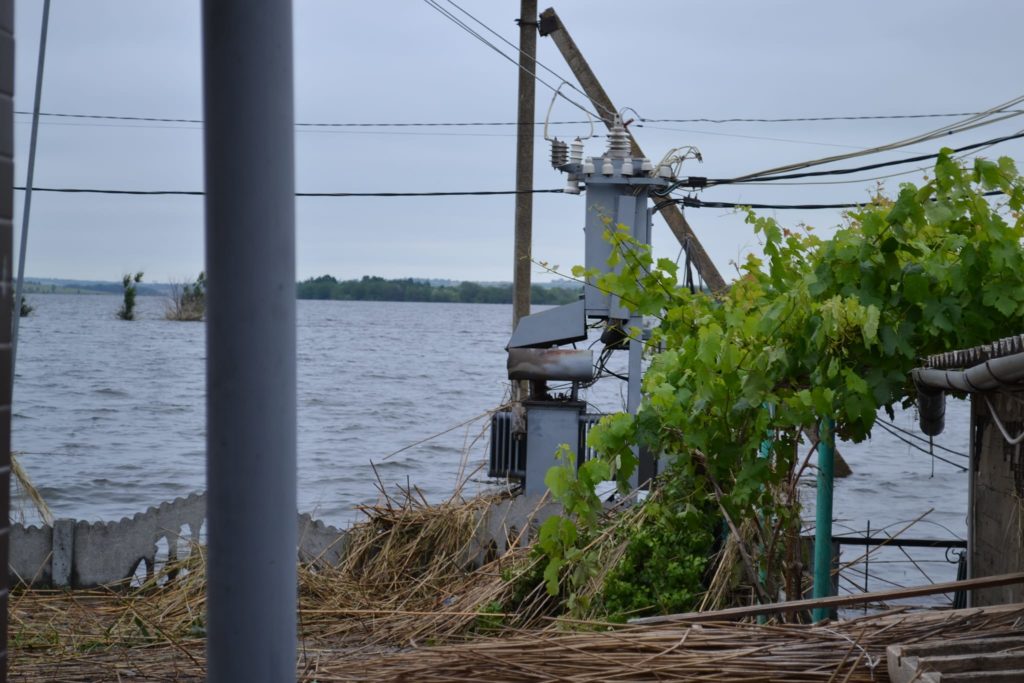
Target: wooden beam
{"x": 552, "y": 26}
{"x": 836, "y": 600}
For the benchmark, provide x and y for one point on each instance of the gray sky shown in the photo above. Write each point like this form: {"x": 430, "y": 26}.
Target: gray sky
{"x": 401, "y": 61}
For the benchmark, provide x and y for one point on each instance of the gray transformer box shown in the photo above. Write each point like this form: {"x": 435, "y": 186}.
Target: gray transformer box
{"x": 610, "y": 203}
{"x": 549, "y": 424}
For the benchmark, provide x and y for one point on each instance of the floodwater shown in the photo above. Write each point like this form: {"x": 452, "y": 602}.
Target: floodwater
{"x": 109, "y": 417}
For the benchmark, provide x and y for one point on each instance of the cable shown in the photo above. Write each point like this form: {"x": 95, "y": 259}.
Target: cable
{"x": 884, "y": 164}
{"x": 199, "y": 193}
{"x": 468, "y": 29}
{"x": 534, "y": 58}
{"x": 698, "y": 182}
{"x": 750, "y": 137}
{"x": 794, "y": 119}
{"x": 695, "y": 203}
{"x": 321, "y": 124}
{"x": 981, "y": 119}
{"x": 426, "y": 124}
{"x": 923, "y": 450}
{"x": 917, "y": 436}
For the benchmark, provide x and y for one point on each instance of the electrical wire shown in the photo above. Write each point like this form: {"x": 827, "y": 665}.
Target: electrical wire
{"x": 748, "y": 137}
{"x": 533, "y": 57}
{"x": 981, "y": 119}
{"x": 699, "y": 182}
{"x": 917, "y": 436}
{"x": 695, "y": 203}
{"x": 468, "y": 29}
{"x": 310, "y": 124}
{"x": 640, "y": 123}
{"x": 304, "y": 131}
{"x": 801, "y": 119}
{"x": 199, "y": 193}
{"x": 923, "y": 450}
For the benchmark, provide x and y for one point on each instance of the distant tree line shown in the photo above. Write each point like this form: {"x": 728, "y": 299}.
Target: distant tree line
{"x": 372, "y": 288}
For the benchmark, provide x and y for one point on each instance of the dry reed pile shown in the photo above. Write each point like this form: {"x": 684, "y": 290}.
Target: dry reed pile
{"x": 409, "y": 575}
{"x": 409, "y": 604}
{"x": 849, "y": 651}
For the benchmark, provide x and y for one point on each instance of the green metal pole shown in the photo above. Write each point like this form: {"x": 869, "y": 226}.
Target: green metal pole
{"x": 764, "y": 452}
{"x": 823, "y": 521}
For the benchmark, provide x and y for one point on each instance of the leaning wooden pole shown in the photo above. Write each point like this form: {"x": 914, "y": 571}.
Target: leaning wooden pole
{"x": 551, "y": 25}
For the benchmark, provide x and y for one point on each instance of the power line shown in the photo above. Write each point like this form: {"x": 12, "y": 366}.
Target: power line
{"x": 535, "y": 60}
{"x": 442, "y": 124}
{"x": 982, "y": 119}
{"x": 795, "y": 119}
{"x": 468, "y": 29}
{"x": 925, "y": 439}
{"x": 910, "y": 443}
{"x": 199, "y": 193}
{"x": 700, "y": 182}
{"x": 695, "y": 203}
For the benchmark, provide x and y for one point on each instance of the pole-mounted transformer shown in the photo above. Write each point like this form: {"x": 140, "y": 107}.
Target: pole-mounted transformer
{"x": 617, "y": 188}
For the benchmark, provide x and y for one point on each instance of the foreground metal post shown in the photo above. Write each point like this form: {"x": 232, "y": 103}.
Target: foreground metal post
{"x": 6, "y": 309}
{"x": 250, "y": 266}
{"x": 823, "y": 518}
{"x": 26, "y": 208}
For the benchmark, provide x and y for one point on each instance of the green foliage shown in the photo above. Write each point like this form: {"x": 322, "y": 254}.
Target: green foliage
{"x": 818, "y": 327}
{"x": 562, "y": 540}
{"x": 490, "y": 617}
{"x": 667, "y": 554}
{"x": 378, "y": 289}
{"x": 127, "y": 310}
{"x": 188, "y": 301}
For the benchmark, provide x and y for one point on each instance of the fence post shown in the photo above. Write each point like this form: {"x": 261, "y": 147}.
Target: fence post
{"x": 823, "y": 518}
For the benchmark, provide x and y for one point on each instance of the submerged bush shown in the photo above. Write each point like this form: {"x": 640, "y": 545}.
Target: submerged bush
{"x": 188, "y": 301}
{"x": 127, "y": 310}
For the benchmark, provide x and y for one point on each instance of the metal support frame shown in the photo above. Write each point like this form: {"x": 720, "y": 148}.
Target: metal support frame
{"x": 251, "y": 404}
{"x": 823, "y": 517}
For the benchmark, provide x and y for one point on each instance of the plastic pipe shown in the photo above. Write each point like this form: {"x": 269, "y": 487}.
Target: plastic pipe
{"x": 823, "y": 519}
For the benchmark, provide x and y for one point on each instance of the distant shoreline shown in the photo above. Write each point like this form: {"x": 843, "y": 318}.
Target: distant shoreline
{"x": 368, "y": 288}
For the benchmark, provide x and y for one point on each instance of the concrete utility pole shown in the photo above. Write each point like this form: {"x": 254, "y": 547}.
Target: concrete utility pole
{"x": 250, "y": 363}
{"x": 524, "y": 160}
{"x": 551, "y": 25}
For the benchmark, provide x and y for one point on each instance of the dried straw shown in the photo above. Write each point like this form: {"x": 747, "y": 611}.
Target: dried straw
{"x": 408, "y": 604}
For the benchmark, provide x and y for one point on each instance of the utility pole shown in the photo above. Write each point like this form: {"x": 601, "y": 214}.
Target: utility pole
{"x": 522, "y": 248}
{"x": 551, "y": 25}
{"x": 524, "y": 160}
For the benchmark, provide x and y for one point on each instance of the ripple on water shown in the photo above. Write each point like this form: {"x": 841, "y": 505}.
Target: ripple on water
{"x": 359, "y": 397}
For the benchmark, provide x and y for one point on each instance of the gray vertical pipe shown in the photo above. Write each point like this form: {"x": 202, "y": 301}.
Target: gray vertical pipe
{"x": 26, "y": 208}
{"x": 250, "y": 266}
{"x": 6, "y": 309}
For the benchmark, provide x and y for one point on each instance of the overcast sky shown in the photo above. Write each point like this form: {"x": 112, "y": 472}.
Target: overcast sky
{"x": 401, "y": 61}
